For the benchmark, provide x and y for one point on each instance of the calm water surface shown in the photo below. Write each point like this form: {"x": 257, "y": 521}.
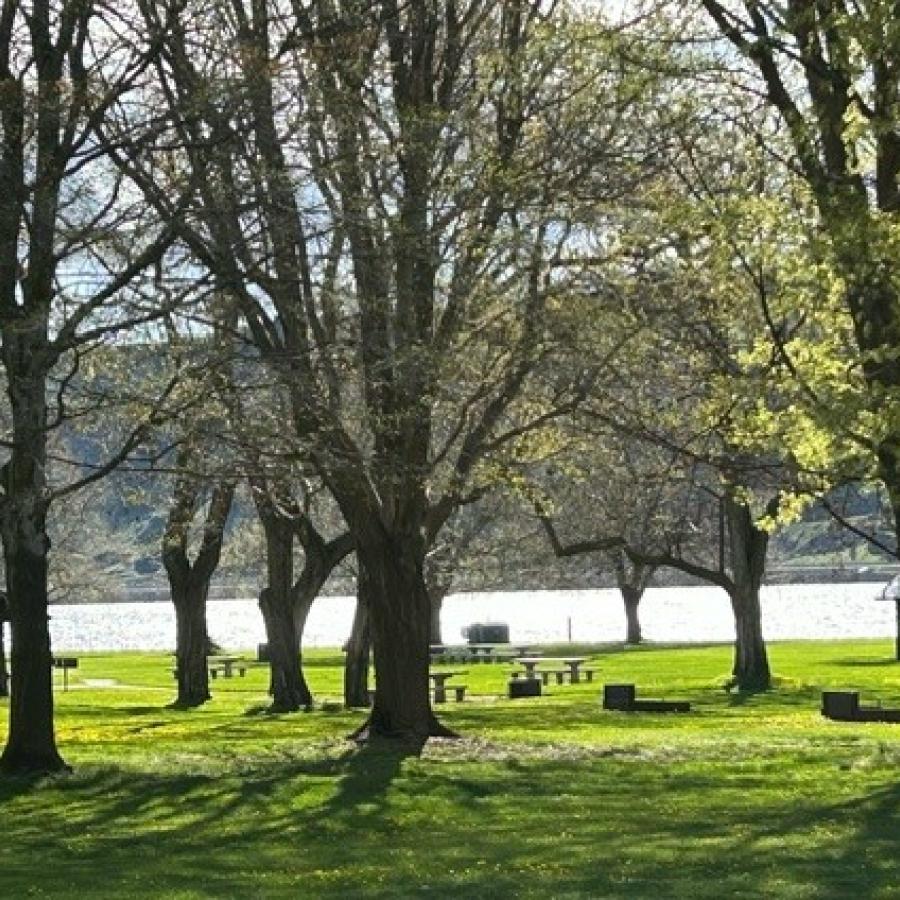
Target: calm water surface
{"x": 667, "y": 614}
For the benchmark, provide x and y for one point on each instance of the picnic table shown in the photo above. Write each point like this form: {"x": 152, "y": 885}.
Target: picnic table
{"x": 225, "y": 665}
{"x": 573, "y": 663}
{"x": 440, "y": 679}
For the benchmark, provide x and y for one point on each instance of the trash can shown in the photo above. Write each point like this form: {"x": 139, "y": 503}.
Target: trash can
{"x": 262, "y": 653}
{"x": 524, "y": 687}
{"x": 486, "y": 633}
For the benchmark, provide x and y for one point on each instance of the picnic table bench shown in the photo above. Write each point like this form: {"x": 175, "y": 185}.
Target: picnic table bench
{"x": 571, "y": 667}
{"x": 621, "y": 697}
{"x": 225, "y": 666}
{"x": 844, "y": 706}
{"x": 440, "y": 686}
{"x": 562, "y": 674}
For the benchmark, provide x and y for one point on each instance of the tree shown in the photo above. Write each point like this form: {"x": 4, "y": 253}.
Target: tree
{"x": 284, "y": 602}
{"x": 830, "y": 71}
{"x": 189, "y": 579}
{"x": 391, "y": 243}
{"x": 74, "y": 248}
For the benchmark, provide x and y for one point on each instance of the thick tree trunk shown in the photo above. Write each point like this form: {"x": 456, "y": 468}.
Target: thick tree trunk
{"x": 632, "y": 579}
{"x": 356, "y": 661}
{"x": 31, "y": 741}
{"x": 632, "y": 599}
{"x": 751, "y": 662}
{"x": 191, "y": 640}
{"x": 287, "y": 685}
{"x": 31, "y": 744}
{"x": 399, "y": 617}
{"x": 748, "y": 545}
{"x": 189, "y": 582}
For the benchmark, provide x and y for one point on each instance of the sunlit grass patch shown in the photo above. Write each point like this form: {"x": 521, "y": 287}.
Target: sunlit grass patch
{"x": 552, "y": 797}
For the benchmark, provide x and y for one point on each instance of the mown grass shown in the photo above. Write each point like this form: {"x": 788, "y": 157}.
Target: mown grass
{"x": 743, "y": 797}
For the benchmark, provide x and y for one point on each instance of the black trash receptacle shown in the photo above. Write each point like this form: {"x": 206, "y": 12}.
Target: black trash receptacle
{"x": 840, "y": 705}
{"x": 524, "y": 687}
{"x": 262, "y": 653}
{"x": 487, "y": 633}
{"x": 618, "y": 696}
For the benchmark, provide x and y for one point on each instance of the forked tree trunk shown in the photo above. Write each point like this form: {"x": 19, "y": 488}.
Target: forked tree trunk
{"x": 748, "y": 545}
{"x": 356, "y": 660}
{"x": 285, "y": 604}
{"x": 320, "y": 560}
{"x": 189, "y": 582}
{"x": 287, "y": 685}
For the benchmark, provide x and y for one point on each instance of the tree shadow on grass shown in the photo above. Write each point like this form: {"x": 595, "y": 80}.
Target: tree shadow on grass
{"x": 857, "y": 663}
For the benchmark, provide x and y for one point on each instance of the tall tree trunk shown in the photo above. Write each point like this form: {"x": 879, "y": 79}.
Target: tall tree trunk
{"x": 747, "y": 547}
{"x": 632, "y": 579}
{"x": 287, "y": 684}
{"x": 31, "y": 741}
{"x": 356, "y": 661}
{"x": 191, "y": 638}
{"x": 189, "y": 581}
{"x": 632, "y": 598}
{"x": 320, "y": 558}
{"x": 399, "y": 618}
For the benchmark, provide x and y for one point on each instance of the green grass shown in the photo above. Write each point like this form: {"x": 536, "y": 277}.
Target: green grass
{"x": 553, "y": 797}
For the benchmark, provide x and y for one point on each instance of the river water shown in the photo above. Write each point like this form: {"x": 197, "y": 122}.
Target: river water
{"x": 667, "y": 614}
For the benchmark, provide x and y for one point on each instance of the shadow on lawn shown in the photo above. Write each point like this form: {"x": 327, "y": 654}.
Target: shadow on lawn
{"x": 857, "y": 662}
{"x": 591, "y": 828}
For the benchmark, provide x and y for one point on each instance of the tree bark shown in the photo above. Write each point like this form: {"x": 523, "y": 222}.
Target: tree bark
{"x": 747, "y": 546}
{"x": 631, "y": 598}
{"x": 189, "y": 582}
{"x": 356, "y": 661}
{"x": 399, "y": 617}
{"x": 287, "y": 684}
{"x": 632, "y": 579}
{"x": 286, "y": 604}
{"x": 191, "y": 638}
{"x": 31, "y": 742}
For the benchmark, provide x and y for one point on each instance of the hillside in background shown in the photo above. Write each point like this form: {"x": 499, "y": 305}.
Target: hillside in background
{"x": 125, "y": 517}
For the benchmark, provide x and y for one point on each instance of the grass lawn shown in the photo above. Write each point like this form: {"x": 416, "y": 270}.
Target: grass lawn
{"x": 543, "y": 798}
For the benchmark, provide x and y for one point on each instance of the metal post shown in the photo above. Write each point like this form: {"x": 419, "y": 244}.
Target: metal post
{"x": 897, "y": 646}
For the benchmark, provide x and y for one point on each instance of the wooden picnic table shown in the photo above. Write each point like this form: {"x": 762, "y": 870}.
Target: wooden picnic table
{"x": 530, "y": 664}
{"x": 440, "y": 680}
{"x": 227, "y": 665}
